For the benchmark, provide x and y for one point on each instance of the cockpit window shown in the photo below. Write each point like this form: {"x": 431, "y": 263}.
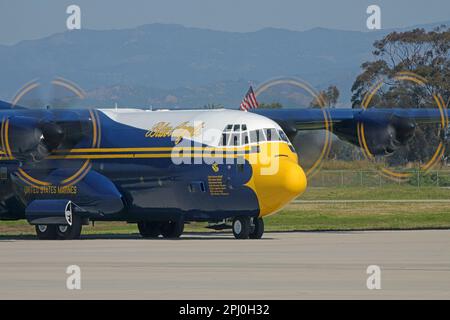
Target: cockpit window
{"x": 245, "y": 137}
{"x": 269, "y": 134}
{"x": 283, "y": 136}
{"x": 237, "y": 135}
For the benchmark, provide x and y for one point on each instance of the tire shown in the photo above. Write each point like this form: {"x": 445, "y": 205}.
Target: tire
{"x": 149, "y": 229}
{"x": 172, "y": 229}
{"x": 258, "y": 229}
{"x": 46, "y": 232}
{"x": 241, "y": 227}
{"x": 66, "y": 232}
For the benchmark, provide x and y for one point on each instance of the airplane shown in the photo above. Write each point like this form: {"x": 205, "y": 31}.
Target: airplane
{"x": 61, "y": 169}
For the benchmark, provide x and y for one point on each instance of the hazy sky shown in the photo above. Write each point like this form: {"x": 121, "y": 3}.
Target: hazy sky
{"x": 30, "y": 19}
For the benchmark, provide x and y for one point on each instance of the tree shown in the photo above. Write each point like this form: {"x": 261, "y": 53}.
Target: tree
{"x": 213, "y": 106}
{"x": 426, "y": 54}
{"x": 326, "y": 98}
{"x": 272, "y": 105}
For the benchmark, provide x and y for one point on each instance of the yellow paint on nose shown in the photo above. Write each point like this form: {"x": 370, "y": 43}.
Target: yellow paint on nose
{"x": 294, "y": 178}
{"x": 277, "y": 179}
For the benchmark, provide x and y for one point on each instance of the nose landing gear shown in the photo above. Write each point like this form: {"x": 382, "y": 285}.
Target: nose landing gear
{"x": 248, "y": 228}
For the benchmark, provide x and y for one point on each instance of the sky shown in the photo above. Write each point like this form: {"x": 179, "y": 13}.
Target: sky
{"x": 31, "y": 19}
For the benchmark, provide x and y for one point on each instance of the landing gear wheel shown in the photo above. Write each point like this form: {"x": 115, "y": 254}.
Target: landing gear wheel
{"x": 149, "y": 229}
{"x": 241, "y": 227}
{"x": 258, "y": 229}
{"x": 45, "y": 232}
{"x": 172, "y": 229}
{"x": 66, "y": 232}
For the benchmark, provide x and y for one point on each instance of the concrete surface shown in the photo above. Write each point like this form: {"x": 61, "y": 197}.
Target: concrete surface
{"x": 324, "y": 265}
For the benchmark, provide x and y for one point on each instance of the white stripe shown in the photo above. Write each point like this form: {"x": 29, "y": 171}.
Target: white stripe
{"x": 372, "y": 201}
{"x": 249, "y": 103}
{"x": 253, "y": 98}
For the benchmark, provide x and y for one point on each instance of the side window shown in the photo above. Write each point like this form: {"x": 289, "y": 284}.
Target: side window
{"x": 283, "y": 136}
{"x": 197, "y": 186}
{"x": 235, "y": 139}
{"x": 245, "y": 137}
{"x": 262, "y": 136}
{"x": 254, "y": 136}
{"x": 224, "y": 140}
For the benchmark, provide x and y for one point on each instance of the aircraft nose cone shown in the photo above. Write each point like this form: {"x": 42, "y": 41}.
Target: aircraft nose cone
{"x": 275, "y": 188}
{"x": 294, "y": 179}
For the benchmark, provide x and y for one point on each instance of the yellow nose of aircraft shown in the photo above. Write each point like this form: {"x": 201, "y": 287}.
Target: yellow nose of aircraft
{"x": 277, "y": 182}
{"x": 293, "y": 178}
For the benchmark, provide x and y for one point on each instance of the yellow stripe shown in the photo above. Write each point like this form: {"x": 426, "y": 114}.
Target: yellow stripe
{"x": 2, "y": 133}
{"x": 94, "y": 129}
{"x": 434, "y": 158}
{"x": 74, "y": 176}
{"x": 142, "y": 149}
{"x": 27, "y": 182}
{"x": 136, "y": 155}
{"x": 26, "y": 175}
{"x": 99, "y": 128}
{"x": 80, "y": 177}
{"x": 8, "y": 149}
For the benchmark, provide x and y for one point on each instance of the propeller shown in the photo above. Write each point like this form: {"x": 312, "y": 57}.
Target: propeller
{"x": 31, "y": 139}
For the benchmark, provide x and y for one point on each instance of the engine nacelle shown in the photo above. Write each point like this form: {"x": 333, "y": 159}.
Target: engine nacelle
{"x": 382, "y": 134}
{"x": 32, "y": 139}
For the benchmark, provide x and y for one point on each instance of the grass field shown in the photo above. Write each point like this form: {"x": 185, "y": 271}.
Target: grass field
{"x": 324, "y": 216}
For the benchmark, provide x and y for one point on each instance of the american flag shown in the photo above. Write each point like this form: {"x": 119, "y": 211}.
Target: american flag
{"x": 249, "y": 101}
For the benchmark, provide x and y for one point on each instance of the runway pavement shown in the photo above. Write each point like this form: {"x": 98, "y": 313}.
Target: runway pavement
{"x": 324, "y": 265}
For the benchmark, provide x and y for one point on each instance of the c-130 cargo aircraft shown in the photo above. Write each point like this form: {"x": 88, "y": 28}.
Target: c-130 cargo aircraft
{"x": 62, "y": 168}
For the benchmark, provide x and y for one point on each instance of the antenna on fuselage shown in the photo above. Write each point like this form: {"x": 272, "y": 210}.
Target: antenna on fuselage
{"x": 115, "y": 105}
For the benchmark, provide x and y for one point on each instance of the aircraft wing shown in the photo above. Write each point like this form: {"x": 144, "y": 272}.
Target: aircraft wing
{"x": 6, "y": 105}
{"x": 316, "y": 118}
{"x": 384, "y": 128}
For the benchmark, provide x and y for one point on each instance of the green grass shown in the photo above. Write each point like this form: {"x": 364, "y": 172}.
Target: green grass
{"x": 386, "y": 192}
{"x": 360, "y": 216}
{"x": 322, "y": 216}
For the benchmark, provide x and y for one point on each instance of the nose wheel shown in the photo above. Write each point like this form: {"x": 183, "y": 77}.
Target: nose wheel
{"x": 248, "y": 228}
{"x": 258, "y": 229}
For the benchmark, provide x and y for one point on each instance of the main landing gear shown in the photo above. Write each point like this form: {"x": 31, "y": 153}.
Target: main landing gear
{"x": 60, "y": 232}
{"x": 153, "y": 229}
{"x": 248, "y": 228}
